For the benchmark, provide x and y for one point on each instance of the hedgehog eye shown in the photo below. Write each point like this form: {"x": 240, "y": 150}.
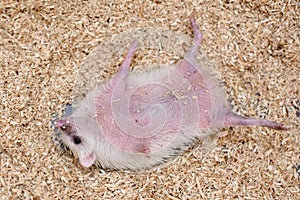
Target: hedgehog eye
{"x": 76, "y": 140}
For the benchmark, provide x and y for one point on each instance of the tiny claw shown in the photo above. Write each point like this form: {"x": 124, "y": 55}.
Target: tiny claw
{"x": 134, "y": 46}
{"x": 198, "y": 37}
{"x": 281, "y": 127}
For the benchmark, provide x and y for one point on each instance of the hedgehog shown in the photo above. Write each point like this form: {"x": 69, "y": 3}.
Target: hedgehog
{"x": 137, "y": 121}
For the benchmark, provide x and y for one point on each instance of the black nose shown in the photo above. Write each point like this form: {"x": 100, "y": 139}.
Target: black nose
{"x": 63, "y": 127}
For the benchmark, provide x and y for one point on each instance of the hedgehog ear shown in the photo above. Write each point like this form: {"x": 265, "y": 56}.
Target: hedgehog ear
{"x": 60, "y": 123}
{"x": 65, "y": 125}
{"x": 88, "y": 161}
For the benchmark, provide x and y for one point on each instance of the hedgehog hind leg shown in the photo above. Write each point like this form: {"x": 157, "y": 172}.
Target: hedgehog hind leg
{"x": 198, "y": 37}
{"x": 234, "y": 119}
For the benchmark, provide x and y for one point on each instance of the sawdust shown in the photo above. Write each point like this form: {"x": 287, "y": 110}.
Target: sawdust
{"x": 255, "y": 46}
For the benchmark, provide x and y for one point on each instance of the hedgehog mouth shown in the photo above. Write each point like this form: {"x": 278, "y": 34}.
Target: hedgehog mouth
{"x": 88, "y": 161}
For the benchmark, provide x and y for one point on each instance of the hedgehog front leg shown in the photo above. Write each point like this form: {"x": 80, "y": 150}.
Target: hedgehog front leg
{"x": 118, "y": 86}
{"x": 124, "y": 69}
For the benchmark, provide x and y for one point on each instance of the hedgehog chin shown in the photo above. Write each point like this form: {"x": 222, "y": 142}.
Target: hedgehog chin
{"x": 88, "y": 160}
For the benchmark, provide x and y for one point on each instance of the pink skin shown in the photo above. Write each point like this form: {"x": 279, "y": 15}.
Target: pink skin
{"x": 65, "y": 126}
{"x": 233, "y": 119}
{"x": 104, "y": 100}
{"x": 204, "y": 93}
{"x": 187, "y": 68}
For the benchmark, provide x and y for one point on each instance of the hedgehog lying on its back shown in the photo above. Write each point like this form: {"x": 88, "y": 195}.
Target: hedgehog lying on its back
{"x": 138, "y": 121}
